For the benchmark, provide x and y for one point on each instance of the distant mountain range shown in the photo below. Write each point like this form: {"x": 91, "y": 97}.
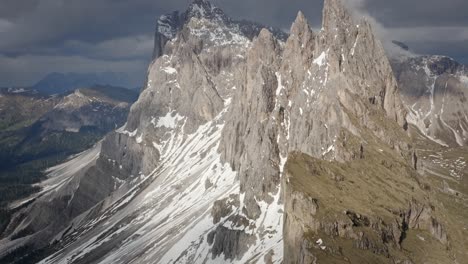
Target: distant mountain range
{"x": 37, "y": 131}
{"x": 57, "y": 83}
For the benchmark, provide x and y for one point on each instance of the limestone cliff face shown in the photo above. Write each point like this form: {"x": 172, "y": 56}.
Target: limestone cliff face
{"x": 250, "y": 137}
{"x": 199, "y": 65}
{"x": 300, "y": 95}
{"x": 187, "y": 84}
{"x": 357, "y": 115}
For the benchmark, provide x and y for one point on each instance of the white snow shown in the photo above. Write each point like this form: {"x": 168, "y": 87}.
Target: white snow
{"x": 173, "y": 213}
{"x": 170, "y": 208}
{"x": 354, "y": 45}
{"x": 320, "y": 60}
{"x": 416, "y": 118}
{"x": 164, "y": 28}
{"x": 329, "y": 149}
{"x": 458, "y": 137}
{"x": 169, "y": 70}
{"x": 170, "y": 120}
{"x": 280, "y": 87}
{"x": 427, "y": 120}
{"x": 464, "y": 79}
{"x": 20, "y": 90}
{"x": 219, "y": 35}
{"x": 139, "y": 139}
{"x": 198, "y": 9}
{"x": 62, "y": 174}
{"x": 123, "y": 130}
{"x": 268, "y": 230}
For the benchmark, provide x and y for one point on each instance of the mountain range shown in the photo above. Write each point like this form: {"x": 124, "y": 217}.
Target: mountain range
{"x": 39, "y": 131}
{"x": 57, "y": 83}
{"x": 247, "y": 145}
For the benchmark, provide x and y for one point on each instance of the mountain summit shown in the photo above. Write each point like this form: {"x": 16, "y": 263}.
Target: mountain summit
{"x": 204, "y": 9}
{"x": 249, "y": 146}
{"x": 213, "y": 18}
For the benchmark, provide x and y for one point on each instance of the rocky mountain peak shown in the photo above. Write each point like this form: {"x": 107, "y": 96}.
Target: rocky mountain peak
{"x": 204, "y": 9}
{"x": 351, "y": 47}
{"x": 168, "y": 24}
{"x": 335, "y": 15}
{"x": 266, "y": 39}
{"x": 300, "y": 25}
{"x": 209, "y": 23}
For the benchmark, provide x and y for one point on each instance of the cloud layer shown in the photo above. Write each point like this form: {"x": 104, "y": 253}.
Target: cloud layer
{"x": 41, "y": 36}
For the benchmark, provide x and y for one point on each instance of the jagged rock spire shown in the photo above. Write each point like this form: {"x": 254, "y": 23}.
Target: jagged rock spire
{"x": 265, "y": 46}
{"x": 301, "y": 31}
{"x": 300, "y": 25}
{"x": 353, "y": 47}
{"x": 335, "y": 15}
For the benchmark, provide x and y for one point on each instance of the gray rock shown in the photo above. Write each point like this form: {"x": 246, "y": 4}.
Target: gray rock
{"x": 435, "y": 91}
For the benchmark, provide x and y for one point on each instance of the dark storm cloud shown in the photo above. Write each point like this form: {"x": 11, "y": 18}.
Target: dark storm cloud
{"x": 15, "y": 8}
{"x": 419, "y": 13}
{"x": 51, "y": 22}
{"x": 39, "y": 36}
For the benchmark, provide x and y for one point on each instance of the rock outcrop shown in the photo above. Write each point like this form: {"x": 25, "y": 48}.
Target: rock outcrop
{"x": 328, "y": 220}
{"x": 435, "y": 91}
{"x": 169, "y": 25}
{"x": 302, "y": 100}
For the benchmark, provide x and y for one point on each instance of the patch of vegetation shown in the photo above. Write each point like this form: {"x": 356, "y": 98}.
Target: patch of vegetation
{"x": 23, "y": 164}
{"x": 446, "y": 170}
{"x": 378, "y": 183}
{"x": 340, "y": 251}
{"x": 27, "y": 148}
{"x": 380, "y": 178}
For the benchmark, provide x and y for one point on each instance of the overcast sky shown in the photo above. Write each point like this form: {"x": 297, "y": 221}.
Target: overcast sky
{"x": 42, "y": 36}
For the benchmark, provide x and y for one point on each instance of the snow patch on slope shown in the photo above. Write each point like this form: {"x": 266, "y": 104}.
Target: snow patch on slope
{"x": 61, "y": 175}
{"x": 170, "y": 120}
{"x": 172, "y": 215}
{"x": 320, "y": 60}
{"x": 170, "y": 70}
{"x": 464, "y": 79}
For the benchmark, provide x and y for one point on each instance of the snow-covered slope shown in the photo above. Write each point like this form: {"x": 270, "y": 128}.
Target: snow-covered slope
{"x": 170, "y": 204}
{"x": 435, "y": 90}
